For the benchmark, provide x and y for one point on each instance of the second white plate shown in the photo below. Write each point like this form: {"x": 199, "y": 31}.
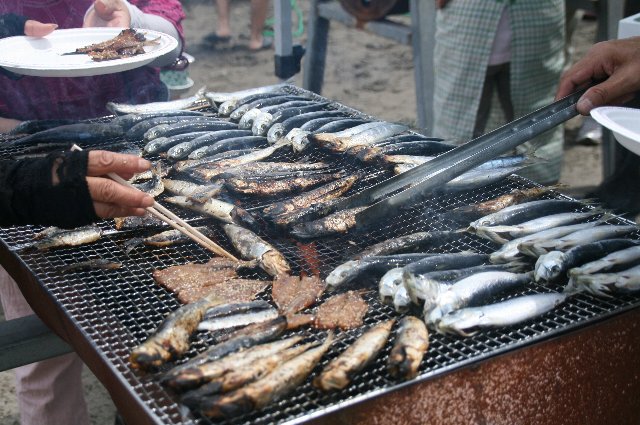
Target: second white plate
{"x": 623, "y": 122}
{"x": 43, "y": 57}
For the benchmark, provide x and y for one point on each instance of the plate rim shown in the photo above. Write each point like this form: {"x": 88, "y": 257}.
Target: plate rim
{"x": 600, "y": 114}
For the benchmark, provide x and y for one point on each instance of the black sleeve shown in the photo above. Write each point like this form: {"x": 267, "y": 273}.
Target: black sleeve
{"x": 12, "y": 24}
{"x": 28, "y": 196}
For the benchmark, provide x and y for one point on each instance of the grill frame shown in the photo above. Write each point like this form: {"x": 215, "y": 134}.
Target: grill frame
{"x": 91, "y": 319}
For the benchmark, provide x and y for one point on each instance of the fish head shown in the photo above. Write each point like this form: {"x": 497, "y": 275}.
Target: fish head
{"x": 549, "y": 266}
{"x": 275, "y": 133}
{"x": 178, "y": 152}
{"x": 239, "y": 112}
{"x": 389, "y": 284}
{"x": 462, "y": 322}
{"x": 198, "y": 153}
{"x": 248, "y": 118}
{"x": 340, "y": 274}
{"x": 261, "y": 124}
{"x": 300, "y": 141}
{"x": 444, "y": 303}
{"x": 227, "y": 107}
{"x": 401, "y": 300}
{"x": 275, "y": 264}
{"x": 154, "y": 145}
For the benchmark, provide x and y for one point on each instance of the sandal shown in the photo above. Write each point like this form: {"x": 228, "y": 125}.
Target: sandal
{"x": 214, "y": 39}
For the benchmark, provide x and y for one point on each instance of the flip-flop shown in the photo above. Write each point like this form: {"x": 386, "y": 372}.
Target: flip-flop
{"x": 214, "y": 39}
{"x": 267, "y": 43}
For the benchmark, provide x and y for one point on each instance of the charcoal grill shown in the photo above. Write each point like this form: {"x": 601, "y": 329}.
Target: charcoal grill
{"x": 106, "y": 313}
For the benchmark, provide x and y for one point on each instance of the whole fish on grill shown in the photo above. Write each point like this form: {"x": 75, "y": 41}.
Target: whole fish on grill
{"x": 470, "y": 320}
{"x": 341, "y": 370}
{"x": 227, "y": 107}
{"x": 409, "y": 242}
{"x": 227, "y": 144}
{"x": 244, "y": 374}
{"x": 472, "y": 291}
{"x": 129, "y": 120}
{"x": 325, "y": 192}
{"x": 266, "y": 114}
{"x": 188, "y": 126}
{"x": 263, "y": 123}
{"x": 83, "y": 134}
{"x": 136, "y": 222}
{"x": 191, "y": 376}
{"x": 500, "y": 234}
{"x": 371, "y": 266}
{"x": 240, "y": 111}
{"x": 167, "y": 238}
{"x": 344, "y": 311}
{"x": 335, "y": 142}
{"x": 338, "y": 222}
{"x": 620, "y": 259}
{"x": 216, "y": 98}
{"x": 606, "y": 284}
{"x": 269, "y": 187}
{"x": 152, "y": 187}
{"x": 193, "y": 191}
{"x": 137, "y": 131}
{"x": 295, "y": 293}
{"x": 163, "y": 144}
{"x": 206, "y": 172}
{"x": 527, "y": 211}
{"x": 259, "y": 333}
{"x": 55, "y": 237}
{"x": 274, "y": 169}
{"x": 282, "y": 380}
{"x": 252, "y": 247}
{"x": 319, "y": 208}
{"x": 515, "y": 247}
{"x": 580, "y": 237}
{"x": 171, "y": 339}
{"x": 35, "y": 126}
{"x": 280, "y": 129}
{"x": 425, "y": 148}
{"x": 220, "y": 210}
{"x": 553, "y": 264}
{"x": 94, "y": 264}
{"x": 185, "y": 149}
{"x": 195, "y": 101}
{"x": 411, "y": 343}
{"x": 237, "y": 314}
{"x": 480, "y": 209}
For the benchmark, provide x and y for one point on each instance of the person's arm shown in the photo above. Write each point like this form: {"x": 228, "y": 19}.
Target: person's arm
{"x": 122, "y": 14}
{"x": 69, "y": 190}
{"x": 617, "y": 62}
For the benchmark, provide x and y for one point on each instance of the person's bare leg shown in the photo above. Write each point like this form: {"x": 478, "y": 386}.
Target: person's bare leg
{"x": 259, "y": 9}
{"x": 223, "y": 27}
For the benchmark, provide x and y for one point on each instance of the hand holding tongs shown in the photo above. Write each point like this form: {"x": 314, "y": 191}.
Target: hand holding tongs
{"x": 417, "y": 183}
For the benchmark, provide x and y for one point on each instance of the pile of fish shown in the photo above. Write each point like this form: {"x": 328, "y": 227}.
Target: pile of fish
{"x": 271, "y": 163}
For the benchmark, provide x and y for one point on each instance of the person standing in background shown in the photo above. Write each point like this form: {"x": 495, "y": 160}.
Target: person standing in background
{"x": 222, "y": 34}
{"x": 50, "y": 392}
{"x": 509, "y": 50}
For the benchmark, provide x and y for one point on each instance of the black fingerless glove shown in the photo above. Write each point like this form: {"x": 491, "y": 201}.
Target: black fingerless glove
{"x": 28, "y": 196}
{"x": 10, "y": 25}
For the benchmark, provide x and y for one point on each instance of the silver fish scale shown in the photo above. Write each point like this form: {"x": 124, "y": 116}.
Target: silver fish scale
{"x": 117, "y": 309}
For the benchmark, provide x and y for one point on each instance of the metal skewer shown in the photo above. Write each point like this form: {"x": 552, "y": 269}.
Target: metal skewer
{"x": 173, "y": 220}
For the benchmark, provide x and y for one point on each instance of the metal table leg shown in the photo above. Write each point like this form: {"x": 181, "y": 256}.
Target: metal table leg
{"x": 316, "y": 55}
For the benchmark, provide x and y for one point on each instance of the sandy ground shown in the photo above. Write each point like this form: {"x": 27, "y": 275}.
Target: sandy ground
{"x": 363, "y": 71}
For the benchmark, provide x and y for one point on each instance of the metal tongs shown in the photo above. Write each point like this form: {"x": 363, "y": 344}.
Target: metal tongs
{"x": 416, "y": 184}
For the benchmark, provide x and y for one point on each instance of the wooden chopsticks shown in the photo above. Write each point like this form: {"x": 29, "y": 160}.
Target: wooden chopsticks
{"x": 174, "y": 221}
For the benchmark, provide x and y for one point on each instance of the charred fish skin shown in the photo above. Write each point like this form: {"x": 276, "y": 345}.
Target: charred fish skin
{"x": 468, "y": 321}
{"x": 338, "y": 222}
{"x": 172, "y": 337}
{"x": 278, "y": 187}
{"x": 338, "y": 373}
{"x": 252, "y": 247}
{"x": 412, "y": 342}
{"x": 285, "y": 378}
{"x": 409, "y": 242}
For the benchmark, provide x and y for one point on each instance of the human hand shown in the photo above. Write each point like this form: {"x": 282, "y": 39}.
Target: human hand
{"x": 111, "y": 199}
{"x": 108, "y": 13}
{"x": 440, "y": 4}
{"x": 616, "y": 61}
{"x": 8, "y": 124}
{"x": 38, "y": 29}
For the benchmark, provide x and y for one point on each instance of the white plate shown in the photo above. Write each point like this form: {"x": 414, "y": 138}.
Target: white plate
{"x": 623, "y": 122}
{"x": 42, "y": 57}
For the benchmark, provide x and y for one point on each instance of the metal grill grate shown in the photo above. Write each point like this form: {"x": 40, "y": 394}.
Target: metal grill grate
{"x": 119, "y": 309}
